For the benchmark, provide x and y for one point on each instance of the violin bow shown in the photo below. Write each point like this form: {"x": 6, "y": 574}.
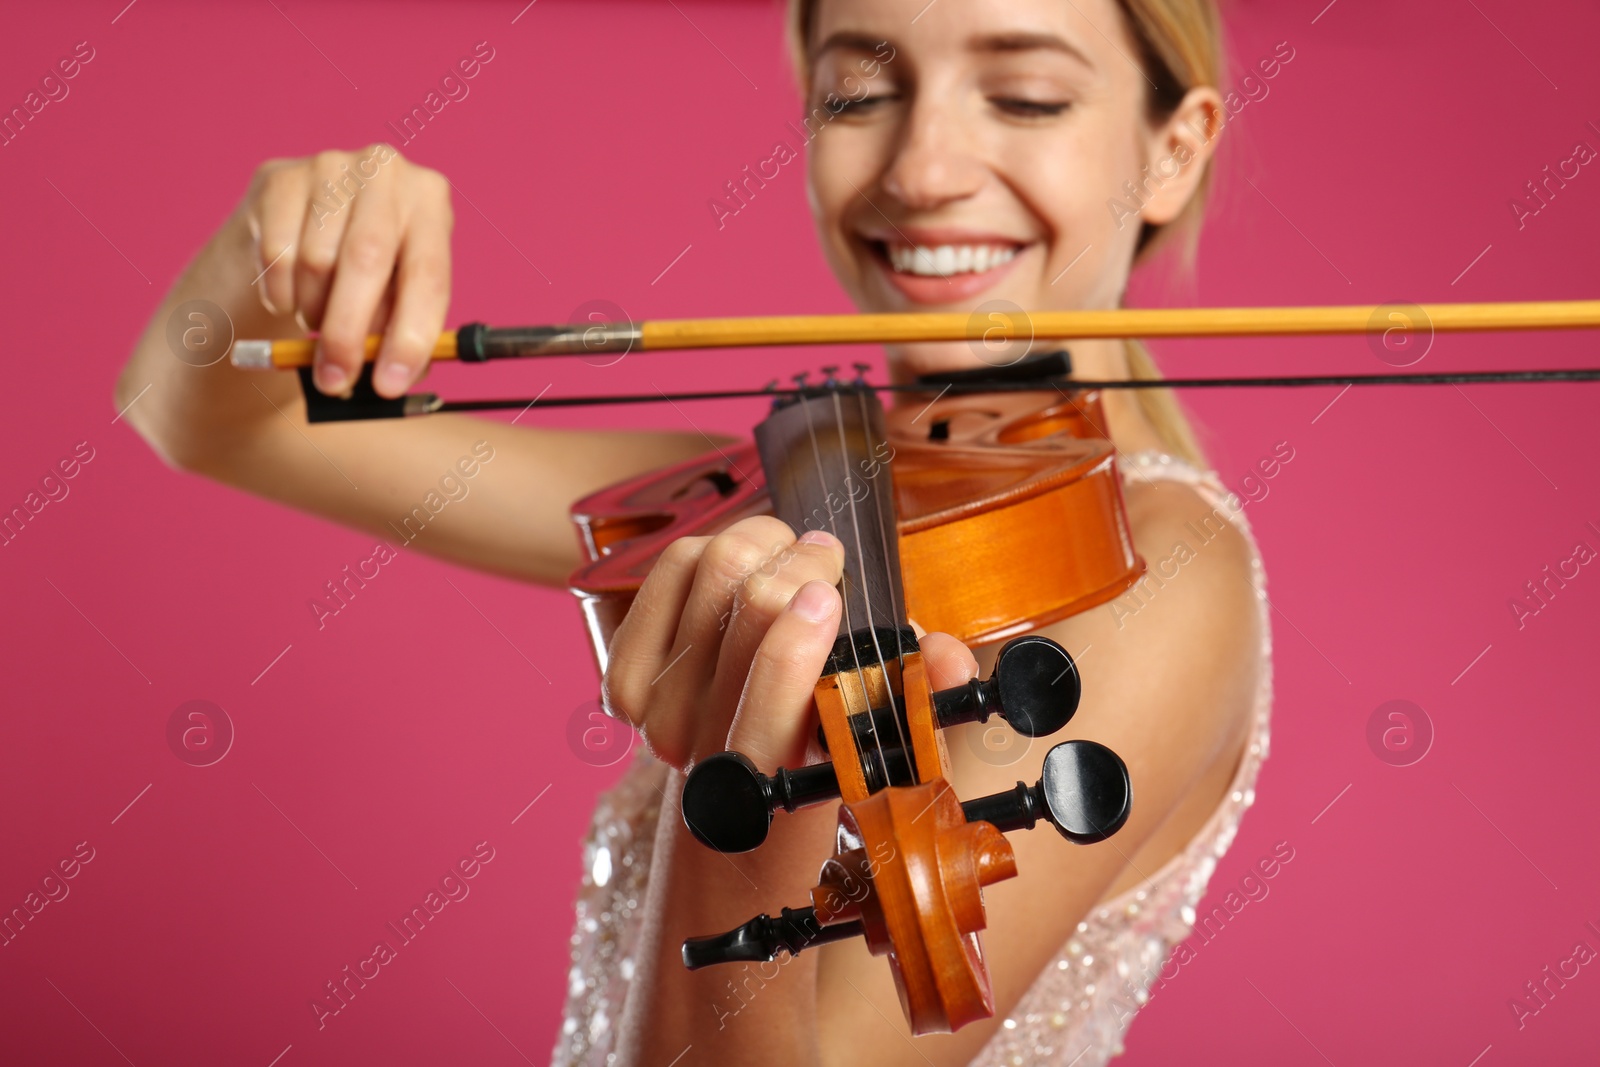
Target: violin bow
{"x": 476, "y": 343}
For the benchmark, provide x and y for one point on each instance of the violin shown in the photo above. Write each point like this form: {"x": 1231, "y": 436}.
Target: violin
{"x": 983, "y": 516}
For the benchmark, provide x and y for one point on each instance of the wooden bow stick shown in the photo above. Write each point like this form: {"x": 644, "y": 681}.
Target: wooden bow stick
{"x": 475, "y": 342}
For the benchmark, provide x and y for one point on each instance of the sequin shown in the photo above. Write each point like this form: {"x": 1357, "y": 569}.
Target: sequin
{"x": 1074, "y": 1013}
{"x": 624, "y": 826}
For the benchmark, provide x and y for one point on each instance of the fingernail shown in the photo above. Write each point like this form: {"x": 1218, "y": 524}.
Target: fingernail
{"x": 394, "y": 377}
{"x": 815, "y": 601}
{"x": 818, "y": 537}
{"x": 331, "y": 377}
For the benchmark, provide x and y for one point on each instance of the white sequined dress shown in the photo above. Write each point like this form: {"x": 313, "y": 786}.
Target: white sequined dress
{"x": 1078, "y": 1008}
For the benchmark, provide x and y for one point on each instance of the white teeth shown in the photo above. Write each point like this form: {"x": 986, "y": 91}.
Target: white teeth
{"x": 944, "y": 260}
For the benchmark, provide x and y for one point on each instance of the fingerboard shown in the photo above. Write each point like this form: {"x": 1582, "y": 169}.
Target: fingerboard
{"x": 827, "y": 461}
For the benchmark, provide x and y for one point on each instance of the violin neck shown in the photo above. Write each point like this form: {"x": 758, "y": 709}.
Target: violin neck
{"x": 827, "y": 461}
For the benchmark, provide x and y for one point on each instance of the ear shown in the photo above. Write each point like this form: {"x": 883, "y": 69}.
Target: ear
{"x": 1178, "y": 152}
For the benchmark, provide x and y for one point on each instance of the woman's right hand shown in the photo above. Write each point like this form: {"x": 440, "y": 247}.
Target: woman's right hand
{"x": 353, "y": 243}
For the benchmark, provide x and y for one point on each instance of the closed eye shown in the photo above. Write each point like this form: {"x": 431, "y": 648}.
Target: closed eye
{"x": 863, "y": 106}
{"x": 1030, "y": 108}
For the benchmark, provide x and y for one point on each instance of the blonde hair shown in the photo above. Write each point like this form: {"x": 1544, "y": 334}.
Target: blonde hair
{"x": 1180, "y": 47}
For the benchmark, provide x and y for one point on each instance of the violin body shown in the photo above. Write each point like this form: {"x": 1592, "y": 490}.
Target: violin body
{"x": 1009, "y": 510}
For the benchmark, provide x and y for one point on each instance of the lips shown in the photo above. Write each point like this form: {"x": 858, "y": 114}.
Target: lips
{"x": 942, "y": 267}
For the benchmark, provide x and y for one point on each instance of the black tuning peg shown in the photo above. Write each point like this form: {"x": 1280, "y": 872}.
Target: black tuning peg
{"x": 760, "y": 939}
{"x": 1034, "y": 687}
{"x": 728, "y": 804}
{"x": 1084, "y": 793}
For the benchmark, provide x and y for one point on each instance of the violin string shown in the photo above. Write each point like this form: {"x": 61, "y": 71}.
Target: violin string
{"x": 844, "y": 598}
{"x": 894, "y": 603}
{"x": 866, "y": 595}
{"x": 1585, "y": 374}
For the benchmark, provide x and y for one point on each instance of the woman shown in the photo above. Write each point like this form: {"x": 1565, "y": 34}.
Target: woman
{"x": 1028, "y": 152}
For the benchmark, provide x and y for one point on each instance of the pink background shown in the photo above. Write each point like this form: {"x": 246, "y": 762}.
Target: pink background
{"x": 408, "y": 730}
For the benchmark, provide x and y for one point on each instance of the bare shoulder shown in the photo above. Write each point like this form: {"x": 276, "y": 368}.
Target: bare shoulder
{"x": 1169, "y": 668}
{"x": 1184, "y": 644}
{"x": 1198, "y": 564}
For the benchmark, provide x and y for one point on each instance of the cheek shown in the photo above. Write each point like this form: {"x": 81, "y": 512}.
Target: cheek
{"x": 840, "y": 161}
{"x": 1073, "y": 187}
{"x": 825, "y": 203}
{"x": 1069, "y": 180}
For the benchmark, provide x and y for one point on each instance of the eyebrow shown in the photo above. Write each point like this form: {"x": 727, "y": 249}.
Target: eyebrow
{"x": 1027, "y": 42}
{"x": 846, "y": 40}
{"x": 1021, "y": 41}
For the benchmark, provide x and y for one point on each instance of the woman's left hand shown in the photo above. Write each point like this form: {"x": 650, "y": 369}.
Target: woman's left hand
{"x": 731, "y": 628}
{"x": 726, "y": 639}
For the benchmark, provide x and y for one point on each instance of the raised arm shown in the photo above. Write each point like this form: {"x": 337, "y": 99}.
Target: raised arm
{"x": 372, "y": 255}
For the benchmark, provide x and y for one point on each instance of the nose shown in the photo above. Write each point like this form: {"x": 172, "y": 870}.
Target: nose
{"x": 937, "y": 161}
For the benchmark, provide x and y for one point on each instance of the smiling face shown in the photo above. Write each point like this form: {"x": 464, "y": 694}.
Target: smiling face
{"x": 975, "y": 150}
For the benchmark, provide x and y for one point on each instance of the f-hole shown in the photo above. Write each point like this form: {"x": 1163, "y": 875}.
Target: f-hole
{"x": 720, "y": 480}
{"x": 723, "y": 481}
